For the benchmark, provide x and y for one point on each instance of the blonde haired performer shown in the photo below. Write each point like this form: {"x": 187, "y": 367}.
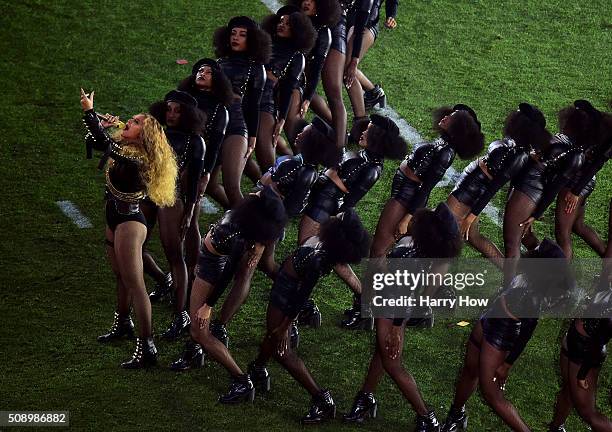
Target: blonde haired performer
{"x": 140, "y": 163}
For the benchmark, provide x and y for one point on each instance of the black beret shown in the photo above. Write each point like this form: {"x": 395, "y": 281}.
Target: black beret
{"x": 181, "y": 97}
{"x": 533, "y": 114}
{"x": 242, "y": 21}
{"x": 287, "y": 10}
{"x": 204, "y": 62}
{"x": 448, "y": 221}
{"x": 463, "y": 107}
{"x": 322, "y": 126}
{"x": 587, "y": 107}
{"x": 386, "y": 124}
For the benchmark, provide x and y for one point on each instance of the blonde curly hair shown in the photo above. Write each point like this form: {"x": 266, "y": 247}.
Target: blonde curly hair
{"x": 160, "y": 169}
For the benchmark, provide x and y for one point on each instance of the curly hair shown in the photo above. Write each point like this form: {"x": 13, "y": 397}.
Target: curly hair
{"x": 328, "y": 11}
{"x": 160, "y": 169}
{"x": 525, "y": 132}
{"x": 382, "y": 143}
{"x": 345, "y": 239}
{"x": 431, "y": 236}
{"x": 221, "y": 90}
{"x": 191, "y": 121}
{"x": 317, "y": 149}
{"x": 463, "y": 133}
{"x": 303, "y": 34}
{"x": 261, "y": 218}
{"x": 259, "y": 44}
{"x": 584, "y": 129}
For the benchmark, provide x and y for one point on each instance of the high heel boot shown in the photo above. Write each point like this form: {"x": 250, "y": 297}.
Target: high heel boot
{"x": 322, "y": 408}
{"x": 122, "y": 326}
{"x": 163, "y": 289}
{"x": 310, "y": 315}
{"x": 179, "y": 325}
{"x": 241, "y": 390}
{"x": 259, "y": 376}
{"x": 144, "y": 355}
{"x": 427, "y": 423}
{"x": 456, "y": 420}
{"x": 192, "y": 356}
{"x": 363, "y": 407}
{"x": 374, "y": 97}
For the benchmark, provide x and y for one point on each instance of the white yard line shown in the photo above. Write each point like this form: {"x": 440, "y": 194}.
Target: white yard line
{"x": 208, "y": 207}
{"x": 70, "y": 210}
{"x": 411, "y": 135}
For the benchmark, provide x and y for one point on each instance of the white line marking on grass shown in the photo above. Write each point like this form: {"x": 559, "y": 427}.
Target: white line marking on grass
{"x": 70, "y": 210}
{"x": 208, "y": 207}
{"x": 411, "y": 135}
{"x": 273, "y": 5}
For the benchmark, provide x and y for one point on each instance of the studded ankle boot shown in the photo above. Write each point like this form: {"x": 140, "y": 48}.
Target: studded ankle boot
{"x": 427, "y": 423}
{"x": 310, "y": 315}
{"x": 219, "y": 331}
{"x": 191, "y": 357}
{"x": 163, "y": 289}
{"x": 260, "y": 376}
{"x": 456, "y": 420}
{"x": 179, "y": 325}
{"x": 144, "y": 355}
{"x": 122, "y": 326}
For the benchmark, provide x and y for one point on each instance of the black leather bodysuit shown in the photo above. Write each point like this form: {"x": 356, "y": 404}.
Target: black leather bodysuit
{"x": 310, "y": 263}
{"x": 217, "y": 119}
{"x": 429, "y": 163}
{"x": 359, "y": 172}
{"x": 286, "y": 64}
{"x": 294, "y": 179}
{"x": 124, "y": 185}
{"x": 542, "y": 179}
{"x": 504, "y": 160}
{"x": 189, "y": 150}
{"x": 248, "y": 79}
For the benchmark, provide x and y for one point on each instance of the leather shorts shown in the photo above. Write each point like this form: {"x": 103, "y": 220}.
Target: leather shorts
{"x": 531, "y": 182}
{"x": 338, "y": 32}
{"x": 288, "y": 294}
{"x": 118, "y": 212}
{"x": 237, "y": 124}
{"x": 404, "y": 190}
{"x": 580, "y": 348}
{"x": 501, "y": 333}
{"x": 217, "y": 270}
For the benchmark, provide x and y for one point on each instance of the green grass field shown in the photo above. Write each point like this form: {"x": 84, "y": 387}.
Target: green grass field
{"x": 58, "y": 290}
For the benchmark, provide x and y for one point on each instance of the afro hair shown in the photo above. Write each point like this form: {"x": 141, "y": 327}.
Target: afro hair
{"x": 328, "y": 11}
{"x": 432, "y": 236}
{"x": 525, "y": 132}
{"x": 192, "y": 120}
{"x": 303, "y": 34}
{"x": 463, "y": 132}
{"x": 259, "y": 44}
{"x": 262, "y": 217}
{"x": 345, "y": 239}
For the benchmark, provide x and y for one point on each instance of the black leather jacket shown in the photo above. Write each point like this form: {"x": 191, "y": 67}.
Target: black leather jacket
{"x": 189, "y": 150}
{"x": 429, "y": 163}
{"x": 248, "y": 79}
{"x": 123, "y": 179}
{"x": 315, "y": 60}
{"x": 286, "y": 64}
{"x": 294, "y": 178}
{"x": 359, "y": 172}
